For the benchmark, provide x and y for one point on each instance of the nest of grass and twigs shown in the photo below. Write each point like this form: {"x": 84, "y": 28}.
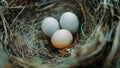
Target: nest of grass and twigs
{"x": 24, "y": 45}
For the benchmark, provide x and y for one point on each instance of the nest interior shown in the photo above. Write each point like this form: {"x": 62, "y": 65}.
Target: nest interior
{"x": 24, "y": 45}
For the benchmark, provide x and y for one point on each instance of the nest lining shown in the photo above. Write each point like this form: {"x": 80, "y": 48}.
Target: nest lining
{"x": 95, "y": 43}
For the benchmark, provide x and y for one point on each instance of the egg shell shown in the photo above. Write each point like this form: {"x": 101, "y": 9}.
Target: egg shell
{"x": 69, "y": 21}
{"x": 62, "y": 39}
{"x": 49, "y": 26}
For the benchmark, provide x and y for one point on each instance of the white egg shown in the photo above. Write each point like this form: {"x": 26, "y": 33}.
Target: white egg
{"x": 69, "y": 21}
{"x": 49, "y": 26}
{"x": 62, "y": 39}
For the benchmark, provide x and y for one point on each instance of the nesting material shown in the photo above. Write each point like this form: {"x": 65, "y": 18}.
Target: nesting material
{"x": 96, "y": 43}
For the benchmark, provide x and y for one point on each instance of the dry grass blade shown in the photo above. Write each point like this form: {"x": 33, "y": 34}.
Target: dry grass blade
{"x": 17, "y": 16}
{"x": 115, "y": 46}
{"x": 5, "y": 27}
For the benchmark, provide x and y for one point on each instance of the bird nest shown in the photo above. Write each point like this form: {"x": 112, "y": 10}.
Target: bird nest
{"x": 24, "y": 45}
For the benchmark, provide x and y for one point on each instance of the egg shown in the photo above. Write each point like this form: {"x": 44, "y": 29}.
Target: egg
{"x": 69, "y": 21}
{"x": 49, "y": 26}
{"x": 62, "y": 39}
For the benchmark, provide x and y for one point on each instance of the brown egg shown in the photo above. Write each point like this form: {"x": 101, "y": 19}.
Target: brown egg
{"x": 62, "y": 39}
